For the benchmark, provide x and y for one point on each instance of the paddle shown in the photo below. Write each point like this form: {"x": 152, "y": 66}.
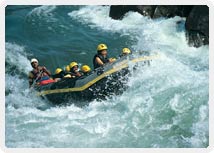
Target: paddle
{"x": 34, "y": 82}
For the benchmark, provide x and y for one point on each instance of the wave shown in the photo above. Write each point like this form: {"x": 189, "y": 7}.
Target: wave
{"x": 44, "y": 12}
{"x": 18, "y": 94}
{"x": 16, "y": 56}
{"x": 175, "y": 87}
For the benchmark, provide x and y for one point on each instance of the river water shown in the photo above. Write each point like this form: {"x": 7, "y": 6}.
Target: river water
{"x": 166, "y": 104}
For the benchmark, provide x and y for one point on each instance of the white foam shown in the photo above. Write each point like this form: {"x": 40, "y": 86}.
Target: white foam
{"x": 98, "y": 17}
{"x": 44, "y": 13}
{"x": 200, "y": 128}
{"x": 18, "y": 93}
{"x": 44, "y": 10}
{"x": 17, "y": 56}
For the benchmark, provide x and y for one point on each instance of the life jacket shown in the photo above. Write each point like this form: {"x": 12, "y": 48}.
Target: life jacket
{"x": 121, "y": 55}
{"x": 103, "y": 59}
{"x": 60, "y": 75}
{"x": 44, "y": 82}
{"x": 73, "y": 73}
{"x": 85, "y": 73}
{"x": 37, "y": 75}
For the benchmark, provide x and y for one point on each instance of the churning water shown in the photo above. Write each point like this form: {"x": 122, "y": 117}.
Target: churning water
{"x": 166, "y": 104}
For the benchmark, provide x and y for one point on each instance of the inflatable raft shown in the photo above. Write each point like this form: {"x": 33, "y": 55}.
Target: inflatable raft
{"x": 101, "y": 83}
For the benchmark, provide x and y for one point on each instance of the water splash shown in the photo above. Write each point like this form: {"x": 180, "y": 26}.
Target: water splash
{"x": 16, "y": 56}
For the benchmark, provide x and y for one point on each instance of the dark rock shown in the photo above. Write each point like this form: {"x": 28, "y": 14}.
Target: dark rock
{"x": 184, "y": 10}
{"x": 118, "y": 11}
{"x": 197, "y": 26}
{"x": 146, "y": 10}
{"x": 172, "y": 10}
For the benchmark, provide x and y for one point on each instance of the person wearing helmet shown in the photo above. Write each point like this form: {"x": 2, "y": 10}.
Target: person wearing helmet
{"x": 85, "y": 70}
{"x": 67, "y": 69}
{"x": 59, "y": 74}
{"x": 39, "y": 74}
{"x": 125, "y": 52}
{"x": 67, "y": 72}
{"x": 101, "y": 58}
{"x": 74, "y": 69}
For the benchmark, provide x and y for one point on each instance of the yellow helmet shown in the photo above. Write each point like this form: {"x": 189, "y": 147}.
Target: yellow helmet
{"x": 101, "y": 47}
{"x": 58, "y": 70}
{"x": 72, "y": 64}
{"x": 126, "y": 51}
{"x": 67, "y": 68}
{"x": 85, "y": 68}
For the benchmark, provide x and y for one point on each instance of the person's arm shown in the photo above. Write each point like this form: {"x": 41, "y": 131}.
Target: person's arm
{"x": 78, "y": 74}
{"x": 46, "y": 71}
{"x": 98, "y": 60}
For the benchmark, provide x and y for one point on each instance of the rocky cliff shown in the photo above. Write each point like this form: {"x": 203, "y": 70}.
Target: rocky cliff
{"x": 197, "y": 18}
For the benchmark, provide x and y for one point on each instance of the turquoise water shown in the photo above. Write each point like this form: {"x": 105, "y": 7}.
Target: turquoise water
{"x": 166, "y": 104}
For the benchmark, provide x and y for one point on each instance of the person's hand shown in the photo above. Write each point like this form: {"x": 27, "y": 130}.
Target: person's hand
{"x": 112, "y": 60}
{"x": 44, "y": 69}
